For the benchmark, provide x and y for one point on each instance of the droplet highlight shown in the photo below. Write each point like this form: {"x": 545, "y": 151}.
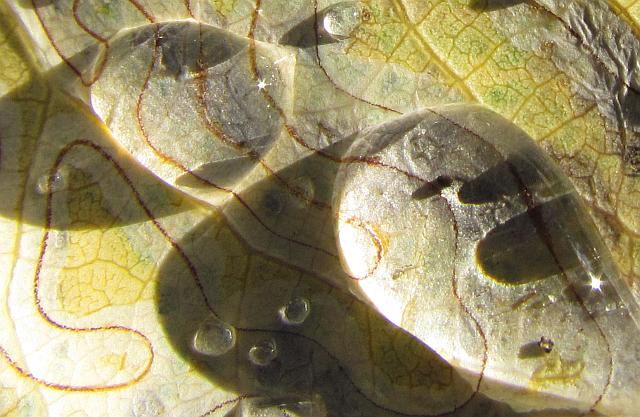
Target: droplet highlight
{"x": 263, "y": 353}
{"x": 341, "y": 19}
{"x": 58, "y": 181}
{"x": 214, "y": 337}
{"x": 296, "y": 311}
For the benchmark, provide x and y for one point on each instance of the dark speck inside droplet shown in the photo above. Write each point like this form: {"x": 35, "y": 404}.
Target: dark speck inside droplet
{"x": 432, "y": 188}
{"x": 538, "y": 243}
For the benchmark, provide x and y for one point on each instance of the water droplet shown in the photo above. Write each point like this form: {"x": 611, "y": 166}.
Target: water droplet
{"x": 296, "y": 311}
{"x": 341, "y": 19}
{"x": 263, "y": 353}
{"x": 214, "y": 337}
{"x": 57, "y": 181}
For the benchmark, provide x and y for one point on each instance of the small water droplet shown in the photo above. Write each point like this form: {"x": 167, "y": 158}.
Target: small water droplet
{"x": 341, "y": 19}
{"x": 214, "y": 337}
{"x": 296, "y": 311}
{"x": 263, "y": 353}
{"x": 58, "y": 181}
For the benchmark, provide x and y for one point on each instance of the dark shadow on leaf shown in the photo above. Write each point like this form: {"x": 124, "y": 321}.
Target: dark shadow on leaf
{"x": 491, "y": 5}
{"x": 222, "y": 173}
{"x": 307, "y": 33}
{"x": 327, "y": 360}
{"x": 31, "y": 4}
{"x": 87, "y": 182}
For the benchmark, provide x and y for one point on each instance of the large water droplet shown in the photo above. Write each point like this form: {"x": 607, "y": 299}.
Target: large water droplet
{"x": 263, "y": 353}
{"x": 341, "y": 19}
{"x": 296, "y": 311}
{"x": 57, "y": 181}
{"x": 214, "y": 337}
{"x": 477, "y": 203}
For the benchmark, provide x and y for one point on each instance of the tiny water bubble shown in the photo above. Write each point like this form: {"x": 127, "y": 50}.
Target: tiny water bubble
{"x": 214, "y": 337}
{"x": 263, "y": 353}
{"x": 296, "y": 311}
{"x": 341, "y": 19}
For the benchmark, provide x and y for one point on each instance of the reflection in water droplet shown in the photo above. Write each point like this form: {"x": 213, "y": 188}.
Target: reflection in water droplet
{"x": 214, "y": 337}
{"x": 263, "y": 353}
{"x": 296, "y": 311}
{"x": 53, "y": 183}
{"x": 341, "y": 19}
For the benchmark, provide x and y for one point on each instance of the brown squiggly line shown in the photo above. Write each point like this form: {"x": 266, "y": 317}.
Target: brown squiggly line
{"x": 83, "y": 26}
{"x": 290, "y": 129}
{"x": 183, "y": 168}
{"x": 371, "y": 161}
{"x": 152, "y": 217}
{"x": 48, "y": 319}
{"x": 546, "y": 238}
{"x": 187, "y": 4}
{"x": 225, "y": 403}
{"x": 527, "y": 198}
{"x": 142, "y": 10}
{"x": 214, "y": 127}
{"x": 90, "y": 32}
{"x": 356, "y": 222}
{"x": 454, "y": 286}
{"x": 346, "y": 372}
{"x": 465, "y": 308}
{"x": 356, "y": 300}
{"x": 92, "y": 146}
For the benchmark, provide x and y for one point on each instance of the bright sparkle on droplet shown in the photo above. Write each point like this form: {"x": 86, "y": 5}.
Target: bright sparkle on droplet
{"x": 596, "y": 284}
{"x": 263, "y": 353}
{"x": 341, "y": 19}
{"x": 52, "y": 183}
{"x": 262, "y": 84}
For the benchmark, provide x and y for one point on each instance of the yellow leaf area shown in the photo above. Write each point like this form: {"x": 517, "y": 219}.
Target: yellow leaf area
{"x": 460, "y": 39}
{"x": 13, "y": 70}
{"x": 224, "y": 6}
{"x": 101, "y": 269}
{"x": 628, "y": 10}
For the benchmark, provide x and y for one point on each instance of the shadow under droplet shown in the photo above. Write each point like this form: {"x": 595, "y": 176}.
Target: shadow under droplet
{"x": 327, "y": 359}
{"x": 308, "y": 33}
{"x": 432, "y": 188}
{"x": 531, "y": 350}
